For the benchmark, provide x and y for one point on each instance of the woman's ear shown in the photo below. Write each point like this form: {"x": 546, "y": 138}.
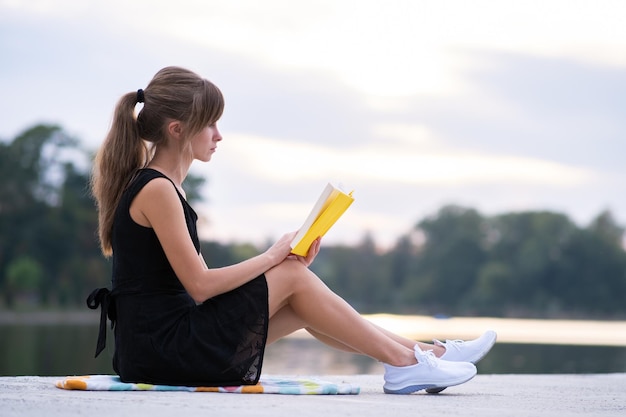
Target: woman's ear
{"x": 175, "y": 129}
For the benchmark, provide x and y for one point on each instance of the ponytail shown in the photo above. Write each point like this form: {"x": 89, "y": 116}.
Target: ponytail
{"x": 121, "y": 155}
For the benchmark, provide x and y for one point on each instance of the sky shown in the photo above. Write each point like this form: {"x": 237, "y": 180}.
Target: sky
{"x": 502, "y": 106}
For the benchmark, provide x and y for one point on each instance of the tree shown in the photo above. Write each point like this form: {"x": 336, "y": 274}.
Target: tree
{"x": 592, "y": 276}
{"x": 605, "y": 227}
{"x": 23, "y": 276}
{"x": 398, "y": 265}
{"x": 494, "y": 287}
{"x": 192, "y": 185}
{"x": 456, "y": 261}
{"x": 27, "y": 189}
{"x": 28, "y": 166}
{"x": 35, "y": 217}
{"x": 450, "y": 259}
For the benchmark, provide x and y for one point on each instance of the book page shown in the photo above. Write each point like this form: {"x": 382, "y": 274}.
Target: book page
{"x": 330, "y": 205}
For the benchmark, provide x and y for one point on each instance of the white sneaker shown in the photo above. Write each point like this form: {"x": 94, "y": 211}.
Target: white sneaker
{"x": 465, "y": 351}
{"x": 468, "y": 351}
{"x": 429, "y": 372}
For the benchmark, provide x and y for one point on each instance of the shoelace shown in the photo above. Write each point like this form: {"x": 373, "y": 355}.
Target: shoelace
{"x": 426, "y": 357}
{"x": 452, "y": 343}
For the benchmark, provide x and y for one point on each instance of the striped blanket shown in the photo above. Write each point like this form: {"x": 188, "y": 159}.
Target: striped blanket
{"x": 266, "y": 385}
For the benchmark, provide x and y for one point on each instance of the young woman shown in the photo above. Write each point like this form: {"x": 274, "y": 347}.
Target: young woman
{"x": 177, "y": 321}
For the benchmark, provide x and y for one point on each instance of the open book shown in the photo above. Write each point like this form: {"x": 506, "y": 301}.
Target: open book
{"x": 330, "y": 205}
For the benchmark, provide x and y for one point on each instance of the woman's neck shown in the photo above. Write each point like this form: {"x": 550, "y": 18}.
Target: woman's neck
{"x": 170, "y": 165}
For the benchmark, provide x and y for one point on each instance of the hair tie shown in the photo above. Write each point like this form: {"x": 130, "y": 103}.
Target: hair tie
{"x": 140, "y": 96}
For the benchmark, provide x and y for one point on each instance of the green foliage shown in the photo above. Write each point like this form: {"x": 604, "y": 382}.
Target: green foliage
{"x": 24, "y": 274}
{"x": 355, "y": 273}
{"x": 452, "y": 256}
{"x": 47, "y": 216}
{"x": 217, "y": 255}
{"x": 458, "y": 262}
{"x": 454, "y": 262}
{"x": 192, "y": 186}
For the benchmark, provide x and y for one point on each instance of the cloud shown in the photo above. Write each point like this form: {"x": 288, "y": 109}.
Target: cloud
{"x": 399, "y": 48}
{"x": 537, "y": 107}
{"x": 280, "y": 161}
{"x": 495, "y": 105}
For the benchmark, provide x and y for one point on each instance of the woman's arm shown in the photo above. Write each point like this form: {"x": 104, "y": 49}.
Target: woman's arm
{"x": 158, "y": 206}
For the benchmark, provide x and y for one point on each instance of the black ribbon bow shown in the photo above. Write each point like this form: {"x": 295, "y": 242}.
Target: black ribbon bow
{"x": 101, "y": 297}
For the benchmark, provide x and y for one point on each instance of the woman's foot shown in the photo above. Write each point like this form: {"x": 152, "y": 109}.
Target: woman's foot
{"x": 430, "y": 372}
{"x": 468, "y": 351}
{"x": 465, "y": 351}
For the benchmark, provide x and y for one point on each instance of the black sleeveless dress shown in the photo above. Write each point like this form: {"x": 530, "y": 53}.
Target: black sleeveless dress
{"x": 161, "y": 335}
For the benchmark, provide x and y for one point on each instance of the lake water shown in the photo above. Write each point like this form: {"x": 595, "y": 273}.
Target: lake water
{"x": 67, "y": 349}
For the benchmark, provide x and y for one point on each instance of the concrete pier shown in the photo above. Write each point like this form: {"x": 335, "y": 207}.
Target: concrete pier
{"x": 486, "y": 395}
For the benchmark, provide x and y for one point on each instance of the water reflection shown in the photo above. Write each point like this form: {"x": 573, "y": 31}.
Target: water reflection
{"x": 47, "y": 350}
{"x": 52, "y": 350}
{"x": 305, "y": 356}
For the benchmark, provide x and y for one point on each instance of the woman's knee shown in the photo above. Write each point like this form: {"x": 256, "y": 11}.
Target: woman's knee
{"x": 290, "y": 273}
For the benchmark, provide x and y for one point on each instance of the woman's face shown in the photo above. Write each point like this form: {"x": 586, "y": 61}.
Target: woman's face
{"x": 204, "y": 143}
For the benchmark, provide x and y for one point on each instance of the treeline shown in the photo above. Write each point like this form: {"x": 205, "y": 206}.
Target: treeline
{"x": 455, "y": 262}
{"x": 458, "y": 262}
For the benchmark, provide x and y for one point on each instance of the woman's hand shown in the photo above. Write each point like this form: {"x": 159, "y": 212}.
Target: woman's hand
{"x": 281, "y": 250}
{"x": 310, "y": 256}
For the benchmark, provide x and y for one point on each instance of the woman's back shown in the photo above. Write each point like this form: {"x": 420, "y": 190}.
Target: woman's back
{"x": 138, "y": 257}
{"x": 161, "y": 335}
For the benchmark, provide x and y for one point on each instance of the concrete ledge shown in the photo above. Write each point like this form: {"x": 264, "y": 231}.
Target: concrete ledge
{"x": 485, "y": 395}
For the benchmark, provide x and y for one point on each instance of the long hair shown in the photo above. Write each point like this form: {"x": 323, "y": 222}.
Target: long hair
{"x": 173, "y": 94}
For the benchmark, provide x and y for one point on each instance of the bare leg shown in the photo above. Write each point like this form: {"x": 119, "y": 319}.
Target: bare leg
{"x": 286, "y": 321}
{"x": 299, "y": 299}
{"x": 326, "y": 314}
{"x": 437, "y": 350}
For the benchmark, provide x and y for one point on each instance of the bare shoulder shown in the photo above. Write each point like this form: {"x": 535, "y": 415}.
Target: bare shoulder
{"x": 159, "y": 186}
{"x": 156, "y": 201}
{"x": 156, "y": 192}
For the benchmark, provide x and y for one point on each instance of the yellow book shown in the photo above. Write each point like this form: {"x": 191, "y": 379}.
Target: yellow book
{"x": 330, "y": 205}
